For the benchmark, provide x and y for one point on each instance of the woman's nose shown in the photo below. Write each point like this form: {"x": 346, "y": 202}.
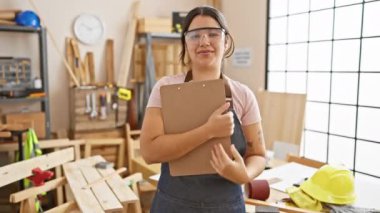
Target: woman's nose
{"x": 204, "y": 39}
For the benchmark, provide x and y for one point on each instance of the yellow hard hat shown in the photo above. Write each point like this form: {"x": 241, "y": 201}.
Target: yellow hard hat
{"x": 331, "y": 184}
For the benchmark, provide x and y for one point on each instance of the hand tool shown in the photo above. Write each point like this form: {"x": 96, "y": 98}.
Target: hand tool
{"x": 88, "y": 104}
{"x": 103, "y": 107}
{"x": 94, "y": 112}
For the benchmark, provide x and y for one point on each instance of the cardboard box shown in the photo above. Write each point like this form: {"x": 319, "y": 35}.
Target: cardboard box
{"x": 34, "y": 120}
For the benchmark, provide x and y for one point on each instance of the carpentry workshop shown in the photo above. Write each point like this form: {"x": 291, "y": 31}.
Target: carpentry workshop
{"x": 167, "y": 106}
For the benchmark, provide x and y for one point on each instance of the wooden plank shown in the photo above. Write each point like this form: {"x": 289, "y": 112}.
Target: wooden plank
{"x": 305, "y": 161}
{"x": 116, "y": 183}
{"x": 91, "y": 67}
{"x": 28, "y": 206}
{"x": 282, "y": 116}
{"x": 44, "y": 144}
{"x": 102, "y": 192}
{"x": 111, "y": 133}
{"x": 77, "y": 61}
{"x": 105, "y": 141}
{"x": 70, "y": 58}
{"x": 8, "y": 15}
{"x": 280, "y": 207}
{"x": 48, "y": 186}
{"x": 109, "y": 61}
{"x": 17, "y": 171}
{"x": 85, "y": 199}
{"x": 71, "y": 207}
{"x": 5, "y": 134}
{"x": 6, "y": 22}
{"x": 104, "y": 150}
{"x": 120, "y": 156}
{"x": 128, "y": 46}
{"x": 58, "y": 174}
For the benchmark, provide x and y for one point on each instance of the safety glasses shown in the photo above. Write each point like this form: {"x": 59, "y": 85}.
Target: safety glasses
{"x": 212, "y": 33}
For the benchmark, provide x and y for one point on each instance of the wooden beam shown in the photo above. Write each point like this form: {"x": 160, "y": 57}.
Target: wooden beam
{"x": 50, "y": 185}
{"x": 120, "y": 189}
{"x": 106, "y": 198}
{"x": 85, "y": 199}
{"x": 129, "y": 40}
{"x": 110, "y": 61}
{"x": 17, "y": 171}
{"x": 70, "y": 206}
{"x": 280, "y": 207}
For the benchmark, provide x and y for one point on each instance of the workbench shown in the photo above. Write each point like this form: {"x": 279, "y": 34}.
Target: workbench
{"x": 111, "y": 195}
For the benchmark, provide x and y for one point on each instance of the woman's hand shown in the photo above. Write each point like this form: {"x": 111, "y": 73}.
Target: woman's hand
{"x": 231, "y": 169}
{"x": 221, "y": 124}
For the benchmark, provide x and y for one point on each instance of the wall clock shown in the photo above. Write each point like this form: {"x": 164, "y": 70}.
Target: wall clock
{"x": 88, "y": 29}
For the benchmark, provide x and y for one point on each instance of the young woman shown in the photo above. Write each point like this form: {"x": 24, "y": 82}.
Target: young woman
{"x": 206, "y": 41}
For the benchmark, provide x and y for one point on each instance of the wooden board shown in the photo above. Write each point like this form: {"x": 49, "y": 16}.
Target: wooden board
{"x": 128, "y": 46}
{"x": 85, "y": 199}
{"x": 102, "y": 192}
{"x": 121, "y": 190}
{"x": 282, "y": 116}
{"x": 17, "y": 171}
{"x": 110, "y": 61}
{"x": 35, "y": 120}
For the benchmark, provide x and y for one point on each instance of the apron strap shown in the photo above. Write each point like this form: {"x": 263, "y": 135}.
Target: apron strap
{"x": 189, "y": 77}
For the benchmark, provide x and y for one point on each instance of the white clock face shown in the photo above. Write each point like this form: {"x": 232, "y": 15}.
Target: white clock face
{"x": 88, "y": 29}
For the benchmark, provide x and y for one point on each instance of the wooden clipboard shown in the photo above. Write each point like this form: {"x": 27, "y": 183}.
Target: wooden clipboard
{"x": 187, "y": 106}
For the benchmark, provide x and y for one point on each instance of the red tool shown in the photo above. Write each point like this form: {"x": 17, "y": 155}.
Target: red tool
{"x": 39, "y": 176}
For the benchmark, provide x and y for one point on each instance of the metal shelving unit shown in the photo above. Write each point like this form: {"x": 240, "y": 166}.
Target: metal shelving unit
{"x": 42, "y": 44}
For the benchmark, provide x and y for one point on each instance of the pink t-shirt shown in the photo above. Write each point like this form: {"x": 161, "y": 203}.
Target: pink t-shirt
{"x": 244, "y": 101}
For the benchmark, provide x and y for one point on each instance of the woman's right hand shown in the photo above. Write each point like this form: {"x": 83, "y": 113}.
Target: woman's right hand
{"x": 221, "y": 123}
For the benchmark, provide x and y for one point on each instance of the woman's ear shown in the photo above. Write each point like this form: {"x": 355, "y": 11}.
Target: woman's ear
{"x": 226, "y": 41}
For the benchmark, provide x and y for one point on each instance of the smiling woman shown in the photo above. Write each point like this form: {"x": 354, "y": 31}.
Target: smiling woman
{"x": 206, "y": 41}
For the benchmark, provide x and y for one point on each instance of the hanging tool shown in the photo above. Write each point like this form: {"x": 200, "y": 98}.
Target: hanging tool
{"x": 3, "y": 81}
{"x": 24, "y": 63}
{"x": 16, "y": 73}
{"x": 94, "y": 112}
{"x": 88, "y": 104}
{"x": 103, "y": 107}
{"x": 115, "y": 106}
{"x": 124, "y": 94}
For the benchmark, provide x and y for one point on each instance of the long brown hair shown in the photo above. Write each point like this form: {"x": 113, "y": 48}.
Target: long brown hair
{"x": 217, "y": 16}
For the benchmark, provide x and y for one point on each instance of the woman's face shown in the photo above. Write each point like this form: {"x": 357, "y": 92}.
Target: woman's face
{"x": 205, "y": 42}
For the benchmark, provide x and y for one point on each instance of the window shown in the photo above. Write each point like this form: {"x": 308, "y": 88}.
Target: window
{"x": 330, "y": 51}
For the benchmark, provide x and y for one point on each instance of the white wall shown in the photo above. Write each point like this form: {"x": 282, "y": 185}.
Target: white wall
{"x": 246, "y": 19}
{"x": 247, "y": 22}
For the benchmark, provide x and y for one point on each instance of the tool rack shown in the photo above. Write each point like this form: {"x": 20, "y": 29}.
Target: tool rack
{"x": 43, "y": 72}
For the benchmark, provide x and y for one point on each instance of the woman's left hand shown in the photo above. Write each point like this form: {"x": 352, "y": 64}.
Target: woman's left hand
{"x": 231, "y": 169}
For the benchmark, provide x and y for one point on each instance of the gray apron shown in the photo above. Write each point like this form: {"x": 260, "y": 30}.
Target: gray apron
{"x": 201, "y": 193}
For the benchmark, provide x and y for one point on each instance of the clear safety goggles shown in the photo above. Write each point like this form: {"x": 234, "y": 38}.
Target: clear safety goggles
{"x": 212, "y": 33}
